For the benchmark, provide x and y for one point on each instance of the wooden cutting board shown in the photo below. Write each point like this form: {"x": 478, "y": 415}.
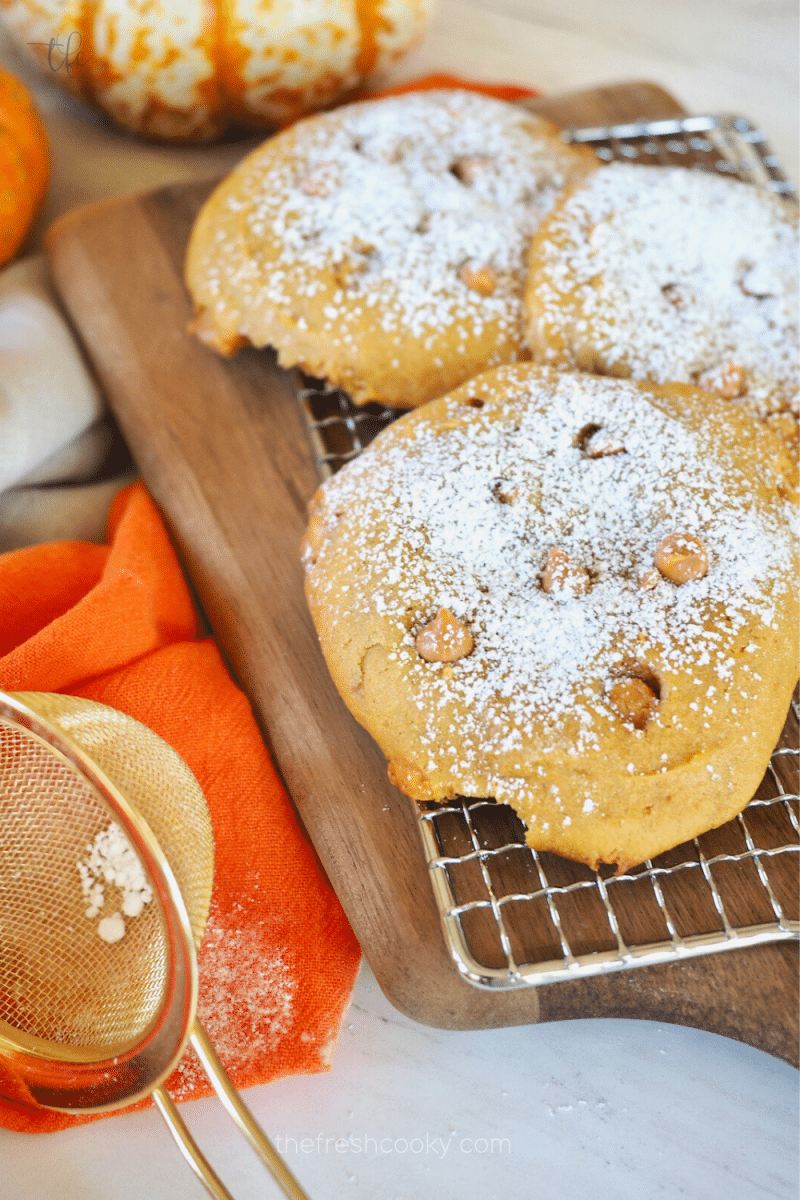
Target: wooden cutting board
{"x": 223, "y": 450}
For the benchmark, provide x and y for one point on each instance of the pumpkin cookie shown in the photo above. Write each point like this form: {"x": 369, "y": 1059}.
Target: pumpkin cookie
{"x": 382, "y": 246}
{"x": 665, "y": 274}
{"x": 571, "y": 593}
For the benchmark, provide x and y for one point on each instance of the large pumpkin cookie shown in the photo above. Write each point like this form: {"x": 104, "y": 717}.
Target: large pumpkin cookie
{"x": 666, "y": 274}
{"x": 382, "y": 246}
{"x": 574, "y": 594}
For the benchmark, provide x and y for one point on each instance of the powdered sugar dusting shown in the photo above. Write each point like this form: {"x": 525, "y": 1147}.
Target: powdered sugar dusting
{"x": 111, "y": 861}
{"x": 246, "y": 999}
{"x": 673, "y": 275}
{"x": 397, "y": 197}
{"x": 418, "y": 521}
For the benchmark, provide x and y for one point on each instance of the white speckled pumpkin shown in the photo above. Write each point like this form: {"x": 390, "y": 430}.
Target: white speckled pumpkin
{"x": 185, "y": 70}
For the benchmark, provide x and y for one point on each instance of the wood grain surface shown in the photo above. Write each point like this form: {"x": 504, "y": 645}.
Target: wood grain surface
{"x": 223, "y": 450}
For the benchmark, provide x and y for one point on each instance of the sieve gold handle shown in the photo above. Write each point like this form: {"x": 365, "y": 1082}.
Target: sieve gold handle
{"x": 188, "y": 1146}
{"x": 241, "y": 1114}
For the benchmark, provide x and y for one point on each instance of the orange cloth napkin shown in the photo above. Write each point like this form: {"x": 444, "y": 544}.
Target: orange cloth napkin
{"x": 116, "y": 624}
{"x": 426, "y": 83}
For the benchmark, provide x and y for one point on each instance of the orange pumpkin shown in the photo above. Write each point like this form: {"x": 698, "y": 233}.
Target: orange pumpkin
{"x": 186, "y": 70}
{"x": 24, "y": 164}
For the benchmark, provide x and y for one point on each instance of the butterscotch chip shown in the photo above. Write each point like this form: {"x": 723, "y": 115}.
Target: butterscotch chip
{"x": 444, "y": 639}
{"x": 680, "y": 297}
{"x": 355, "y": 262}
{"x": 469, "y": 169}
{"x": 602, "y": 443}
{"x": 481, "y": 279}
{"x": 562, "y": 576}
{"x": 681, "y": 557}
{"x": 728, "y": 380}
{"x": 649, "y": 579}
{"x": 634, "y": 701}
{"x": 431, "y": 181}
{"x": 506, "y": 493}
{"x": 617, "y": 724}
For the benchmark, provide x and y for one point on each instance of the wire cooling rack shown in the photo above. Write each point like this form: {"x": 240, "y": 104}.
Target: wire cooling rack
{"x": 726, "y": 145}
{"x": 513, "y": 917}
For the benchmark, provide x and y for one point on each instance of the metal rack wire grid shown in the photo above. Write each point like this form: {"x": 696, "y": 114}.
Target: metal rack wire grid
{"x": 513, "y": 917}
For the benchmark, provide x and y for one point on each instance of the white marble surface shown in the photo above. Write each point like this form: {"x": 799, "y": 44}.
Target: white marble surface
{"x": 616, "y": 1108}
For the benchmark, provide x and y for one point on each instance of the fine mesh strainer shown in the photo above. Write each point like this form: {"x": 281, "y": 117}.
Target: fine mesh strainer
{"x": 98, "y": 978}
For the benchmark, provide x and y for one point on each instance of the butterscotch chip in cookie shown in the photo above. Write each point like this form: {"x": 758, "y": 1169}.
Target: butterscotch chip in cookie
{"x": 506, "y": 493}
{"x": 681, "y": 557}
{"x": 602, "y": 443}
{"x": 469, "y": 169}
{"x": 444, "y": 639}
{"x": 617, "y": 719}
{"x": 383, "y": 246}
{"x": 480, "y": 279}
{"x": 728, "y": 380}
{"x": 634, "y": 701}
{"x": 665, "y": 274}
{"x": 562, "y": 576}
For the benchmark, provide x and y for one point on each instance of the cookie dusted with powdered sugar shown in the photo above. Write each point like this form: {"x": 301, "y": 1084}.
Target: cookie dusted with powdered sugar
{"x": 571, "y": 593}
{"x": 382, "y": 246}
{"x": 666, "y": 274}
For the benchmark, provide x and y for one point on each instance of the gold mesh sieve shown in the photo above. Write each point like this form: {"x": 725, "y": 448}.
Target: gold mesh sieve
{"x": 61, "y": 982}
{"x": 88, "y": 1024}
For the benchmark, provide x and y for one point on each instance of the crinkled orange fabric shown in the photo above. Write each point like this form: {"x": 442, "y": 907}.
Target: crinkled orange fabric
{"x": 501, "y": 91}
{"x": 116, "y": 624}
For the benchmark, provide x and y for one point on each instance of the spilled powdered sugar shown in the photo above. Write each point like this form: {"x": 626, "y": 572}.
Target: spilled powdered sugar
{"x": 111, "y": 861}
{"x": 681, "y": 273}
{"x": 246, "y": 1001}
{"x": 426, "y": 525}
{"x": 397, "y": 196}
